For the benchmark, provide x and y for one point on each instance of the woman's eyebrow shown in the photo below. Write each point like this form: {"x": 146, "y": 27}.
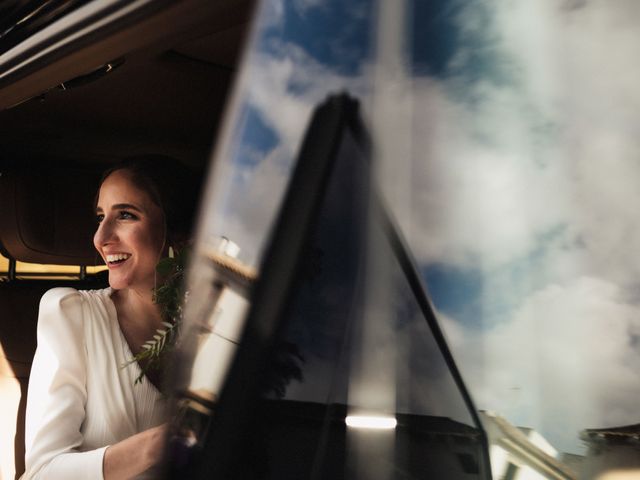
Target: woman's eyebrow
{"x": 126, "y": 206}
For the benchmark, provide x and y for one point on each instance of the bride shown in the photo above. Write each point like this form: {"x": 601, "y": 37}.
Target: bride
{"x": 86, "y": 417}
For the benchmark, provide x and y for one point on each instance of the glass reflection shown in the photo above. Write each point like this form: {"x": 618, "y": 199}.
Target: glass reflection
{"x": 523, "y": 169}
{"x": 301, "y": 51}
{"x": 507, "y": 149}
{"x": 345, "y": 348}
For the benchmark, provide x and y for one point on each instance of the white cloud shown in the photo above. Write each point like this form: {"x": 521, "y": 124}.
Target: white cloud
{"x": 253, "y": 203}
{"x": 272, "y": 14}
{"x": 289, "y": 85}
{"x": 477, "y": 199}
{"x": 566, "y": 361}
{"x": 556, "y": 145}
{"x": 544, "y": 162}
{"x": 302, "y": 6}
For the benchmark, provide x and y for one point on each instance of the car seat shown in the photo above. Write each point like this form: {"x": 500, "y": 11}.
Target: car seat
{"x": 46, "y": 217}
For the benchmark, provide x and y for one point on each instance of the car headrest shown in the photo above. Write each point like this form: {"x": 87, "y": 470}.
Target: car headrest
{"x": 47, "y": 215}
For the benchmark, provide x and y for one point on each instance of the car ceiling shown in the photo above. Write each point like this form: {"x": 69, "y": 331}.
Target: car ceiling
{"x": 167, "y": 97}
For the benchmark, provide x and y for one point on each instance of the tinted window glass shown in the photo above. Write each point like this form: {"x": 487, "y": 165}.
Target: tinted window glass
{"x": 356, "y": 345}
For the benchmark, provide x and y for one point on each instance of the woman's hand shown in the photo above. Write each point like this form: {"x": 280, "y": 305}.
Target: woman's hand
{"x": 134, "y": 455}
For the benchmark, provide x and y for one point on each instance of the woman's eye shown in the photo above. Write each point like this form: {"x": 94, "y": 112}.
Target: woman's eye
{"x": 124, "y": 215}
{"x": 99, "y": 218}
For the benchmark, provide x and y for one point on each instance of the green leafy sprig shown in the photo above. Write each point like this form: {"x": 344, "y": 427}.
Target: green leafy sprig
{"x": 169, "y": 296}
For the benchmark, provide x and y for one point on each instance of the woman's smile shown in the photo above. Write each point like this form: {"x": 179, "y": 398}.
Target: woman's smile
{"x": 117, "y": 259}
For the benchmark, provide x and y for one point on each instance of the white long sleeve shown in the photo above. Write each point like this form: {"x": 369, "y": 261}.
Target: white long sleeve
{"x": 57, "y": 394}
{"x": 80, "y": 399}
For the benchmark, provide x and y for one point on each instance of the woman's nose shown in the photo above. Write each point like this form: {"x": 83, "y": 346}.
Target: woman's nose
{"x": 105, "y": 233}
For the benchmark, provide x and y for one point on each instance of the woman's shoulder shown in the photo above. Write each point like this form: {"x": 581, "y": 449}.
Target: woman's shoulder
{"x": 71, "y": 303}
{"x": 62, "y": 294}
{"x": 59, "y": 297}
{"x": 58, "y": 293}
{"x": 60, "y": 314}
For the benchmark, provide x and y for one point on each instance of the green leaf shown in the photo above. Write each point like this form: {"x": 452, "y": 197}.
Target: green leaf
{"x": 169, "y": 297}
{"x": 166, "y": 266}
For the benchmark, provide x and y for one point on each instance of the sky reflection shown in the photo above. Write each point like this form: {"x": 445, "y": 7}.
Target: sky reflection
{"x": 521, "y": 182}
{"x": 521, "y": 199}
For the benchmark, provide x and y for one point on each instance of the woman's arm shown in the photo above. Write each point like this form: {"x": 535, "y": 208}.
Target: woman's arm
{"x": 57, "y": 393}
{"x": 134, "y": 455}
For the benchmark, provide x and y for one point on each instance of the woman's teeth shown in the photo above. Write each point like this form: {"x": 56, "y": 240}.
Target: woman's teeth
{"x": 118, "y": 257}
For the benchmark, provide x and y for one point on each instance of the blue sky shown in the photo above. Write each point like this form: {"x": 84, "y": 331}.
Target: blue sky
{"x": 334, "y": 32}
{"x": 257, "y": 138}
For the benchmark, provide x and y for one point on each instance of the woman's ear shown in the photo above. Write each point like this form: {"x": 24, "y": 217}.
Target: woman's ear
{"x": 178, "y": 242}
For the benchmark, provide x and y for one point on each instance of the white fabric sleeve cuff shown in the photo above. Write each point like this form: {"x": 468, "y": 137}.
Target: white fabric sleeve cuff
{"x": 75, "y": 466}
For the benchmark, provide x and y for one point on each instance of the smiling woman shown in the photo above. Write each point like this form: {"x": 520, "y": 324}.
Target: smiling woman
{"x": 84, "y": 411}
{"x": 167, "y": 96}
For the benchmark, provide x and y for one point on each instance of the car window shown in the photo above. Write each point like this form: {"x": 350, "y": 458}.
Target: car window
{"x": 34, "y": 271}
{"x": 353, "y": 361}
{"x": 508, "y": 160}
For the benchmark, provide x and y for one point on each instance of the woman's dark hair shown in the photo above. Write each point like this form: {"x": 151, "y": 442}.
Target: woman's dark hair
{"x": 170, "y": 185}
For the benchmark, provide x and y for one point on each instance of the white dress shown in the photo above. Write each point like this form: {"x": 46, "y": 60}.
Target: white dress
{"x": 80, "y": 399}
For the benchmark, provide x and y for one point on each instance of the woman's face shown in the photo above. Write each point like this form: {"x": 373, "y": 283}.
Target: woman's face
{"x": 130, "y": 235}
